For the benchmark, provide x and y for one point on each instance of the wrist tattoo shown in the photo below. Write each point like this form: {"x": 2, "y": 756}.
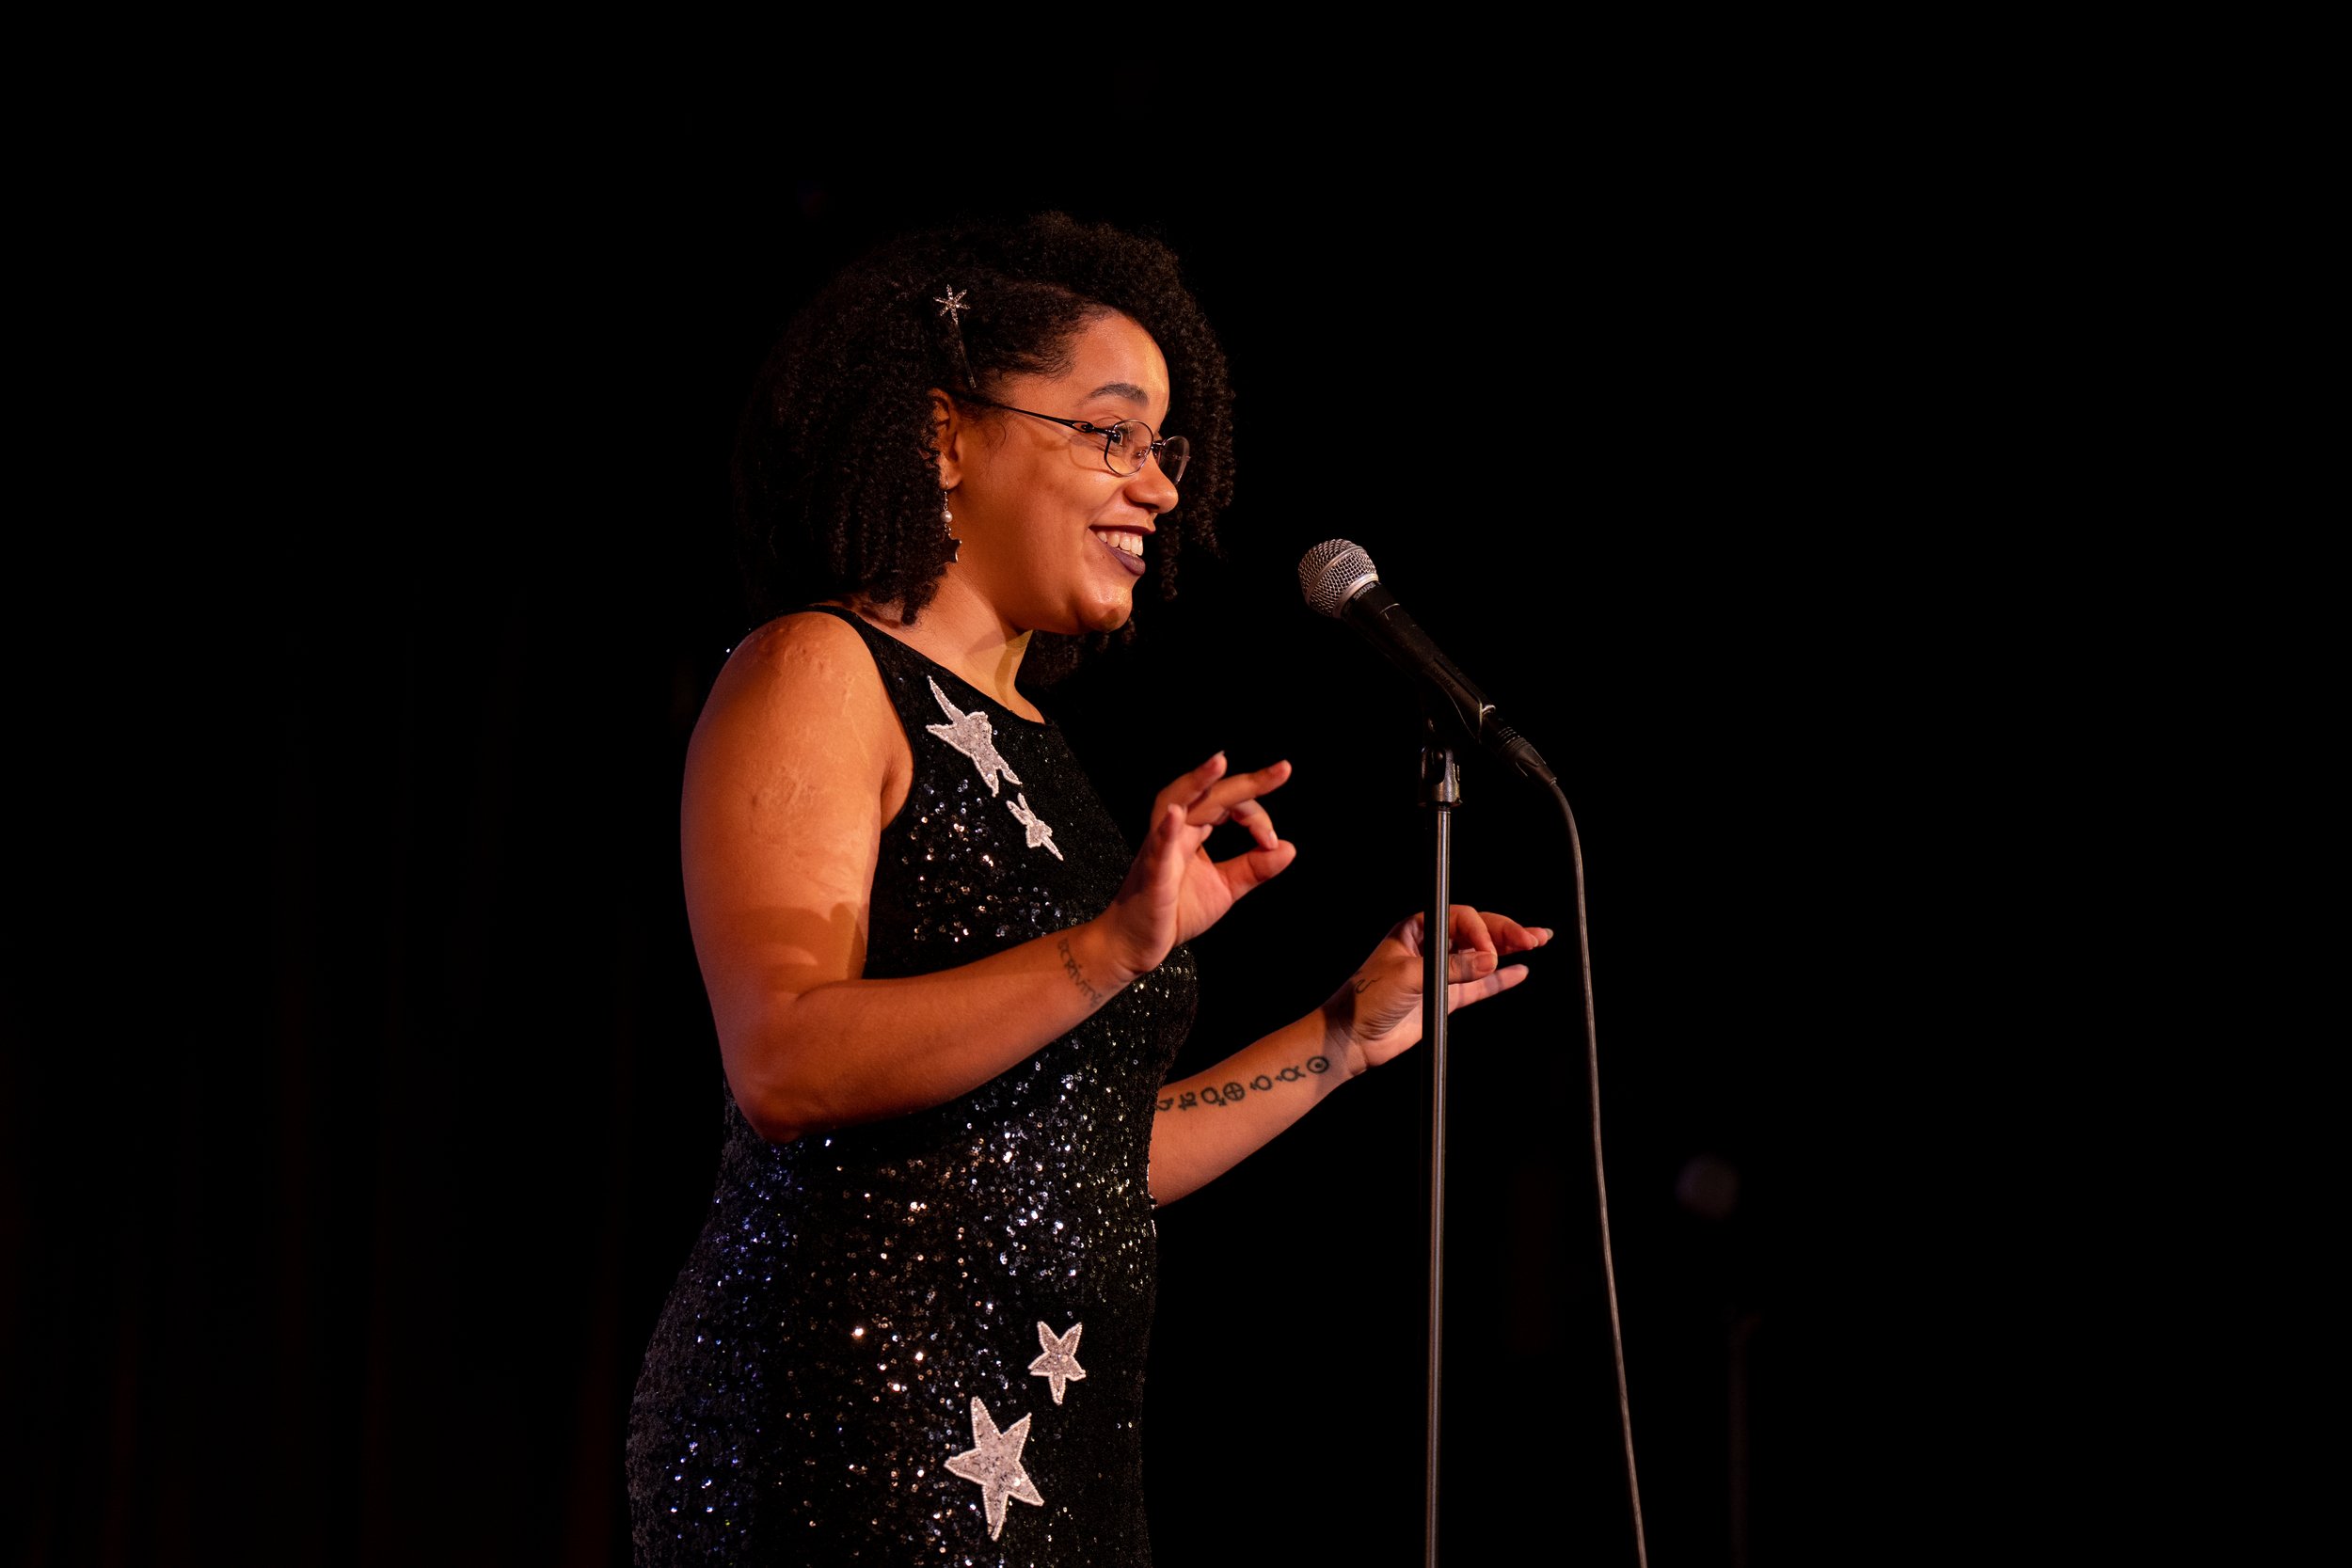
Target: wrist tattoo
{"x": 1077, "y": 975}
{"x": 1339, "y": 1013}
{"x": 1232, "y": 1092}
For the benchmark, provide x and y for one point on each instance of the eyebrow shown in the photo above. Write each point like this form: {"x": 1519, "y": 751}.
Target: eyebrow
{"x": 1127, "y": 389}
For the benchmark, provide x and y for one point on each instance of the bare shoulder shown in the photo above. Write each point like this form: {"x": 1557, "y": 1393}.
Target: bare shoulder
{"x": 795, "y": 668}
{"x": 800, "y": 693}
{"x": 806, "y": 653}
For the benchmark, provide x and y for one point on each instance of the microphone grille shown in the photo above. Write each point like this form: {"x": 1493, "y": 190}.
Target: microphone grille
{"x": 1331, "y": 574}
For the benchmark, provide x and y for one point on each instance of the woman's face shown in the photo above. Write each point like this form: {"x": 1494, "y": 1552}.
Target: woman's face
{"x": 1042, "y": 517}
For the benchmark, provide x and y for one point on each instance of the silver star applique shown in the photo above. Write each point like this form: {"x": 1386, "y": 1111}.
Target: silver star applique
{"x": 1059, "y": 1365}
{"x": 994, "y": 1462}
{"x": 971, "y": 734}
{"x": 1039, "y": 832}
{"x": 951, "y": 304}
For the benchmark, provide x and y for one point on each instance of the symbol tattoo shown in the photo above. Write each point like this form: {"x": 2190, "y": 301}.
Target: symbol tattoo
{"x": 1232, "y": 1093}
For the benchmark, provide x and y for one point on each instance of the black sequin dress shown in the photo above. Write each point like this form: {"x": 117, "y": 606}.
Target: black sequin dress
{"x": 923, "y": 1340}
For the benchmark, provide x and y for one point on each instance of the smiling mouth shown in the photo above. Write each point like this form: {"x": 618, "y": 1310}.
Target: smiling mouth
{"x": 1127, "y": 547}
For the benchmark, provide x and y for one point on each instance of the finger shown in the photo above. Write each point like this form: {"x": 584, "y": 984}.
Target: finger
{"x": 1230, "y": 802}
{"x": 1512, "y": 937}
{"x": 1470, "y": 964}
{"x": 1219, "y": 796}
{"x": 1256, "y": 866}
{"x": 1172, "y": 842}
{"x": 1466, "y": 928}
{"x": 1216, "y": 806}
{"x": 1188, "y": 788}
{"x": 1463, "y": 993}
{"x": 1259, "y": 821}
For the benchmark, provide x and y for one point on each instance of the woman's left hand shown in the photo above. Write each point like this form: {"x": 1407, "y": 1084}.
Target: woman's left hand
{"x": 1376, "y": 1015}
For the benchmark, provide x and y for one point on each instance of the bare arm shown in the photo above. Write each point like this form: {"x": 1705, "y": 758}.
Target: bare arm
{"x": 797, "y": 763}
{"x": 1209, "y": 1123}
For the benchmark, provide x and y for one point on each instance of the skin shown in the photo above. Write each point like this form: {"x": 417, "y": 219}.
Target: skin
{"x": 797, "y": 762}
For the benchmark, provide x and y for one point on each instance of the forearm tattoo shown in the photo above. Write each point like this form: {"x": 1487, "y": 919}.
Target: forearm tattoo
{"x": 1232, "y": 1091}
{"x": 1077, "y": 975}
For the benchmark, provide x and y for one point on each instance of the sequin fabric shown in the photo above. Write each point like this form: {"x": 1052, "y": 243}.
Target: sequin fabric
{"x": 853, "y": 1295}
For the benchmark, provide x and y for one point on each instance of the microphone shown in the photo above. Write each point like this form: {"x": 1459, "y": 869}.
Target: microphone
{"x": 1340, "y": 581}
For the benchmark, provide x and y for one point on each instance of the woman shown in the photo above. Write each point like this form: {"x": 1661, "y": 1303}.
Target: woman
{"x": 947, "y": 990}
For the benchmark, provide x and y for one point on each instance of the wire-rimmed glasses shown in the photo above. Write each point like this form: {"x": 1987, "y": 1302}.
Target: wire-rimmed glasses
{"x": 1127, "y": 444}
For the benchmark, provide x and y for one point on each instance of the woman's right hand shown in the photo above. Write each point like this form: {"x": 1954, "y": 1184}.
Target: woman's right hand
{"x": 1174, "y": 891}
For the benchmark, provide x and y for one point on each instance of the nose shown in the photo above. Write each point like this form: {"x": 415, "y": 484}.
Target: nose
{"x": 1150, "y": 486}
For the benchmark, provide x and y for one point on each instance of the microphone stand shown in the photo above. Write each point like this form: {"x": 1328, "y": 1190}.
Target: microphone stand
{"x": 1441, "y": 791}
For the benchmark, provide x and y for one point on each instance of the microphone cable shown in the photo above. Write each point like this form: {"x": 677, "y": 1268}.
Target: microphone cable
{"x": 1601, "y": 1180}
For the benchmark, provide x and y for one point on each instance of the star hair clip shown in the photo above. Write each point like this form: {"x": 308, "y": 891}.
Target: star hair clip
{"x": 952, "y": 305}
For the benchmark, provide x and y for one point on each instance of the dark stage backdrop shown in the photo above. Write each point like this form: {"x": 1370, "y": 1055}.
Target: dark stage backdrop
{"x": 345, "y": 1216}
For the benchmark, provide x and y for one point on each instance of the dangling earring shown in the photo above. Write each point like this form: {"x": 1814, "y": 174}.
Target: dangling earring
{"x": 947, "y": 524}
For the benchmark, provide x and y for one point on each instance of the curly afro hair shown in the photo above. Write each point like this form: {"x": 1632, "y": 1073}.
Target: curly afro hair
{"x": 837, "y": 485}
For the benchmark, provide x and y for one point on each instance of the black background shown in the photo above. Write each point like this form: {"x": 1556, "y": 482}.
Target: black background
{"x": 346, "y": 1229}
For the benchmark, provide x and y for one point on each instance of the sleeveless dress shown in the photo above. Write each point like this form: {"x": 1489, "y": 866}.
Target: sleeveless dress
{"x": 922, "y": 1341}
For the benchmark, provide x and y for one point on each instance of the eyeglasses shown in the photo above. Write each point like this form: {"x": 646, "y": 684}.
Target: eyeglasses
{"x": 1126, "y": 445}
